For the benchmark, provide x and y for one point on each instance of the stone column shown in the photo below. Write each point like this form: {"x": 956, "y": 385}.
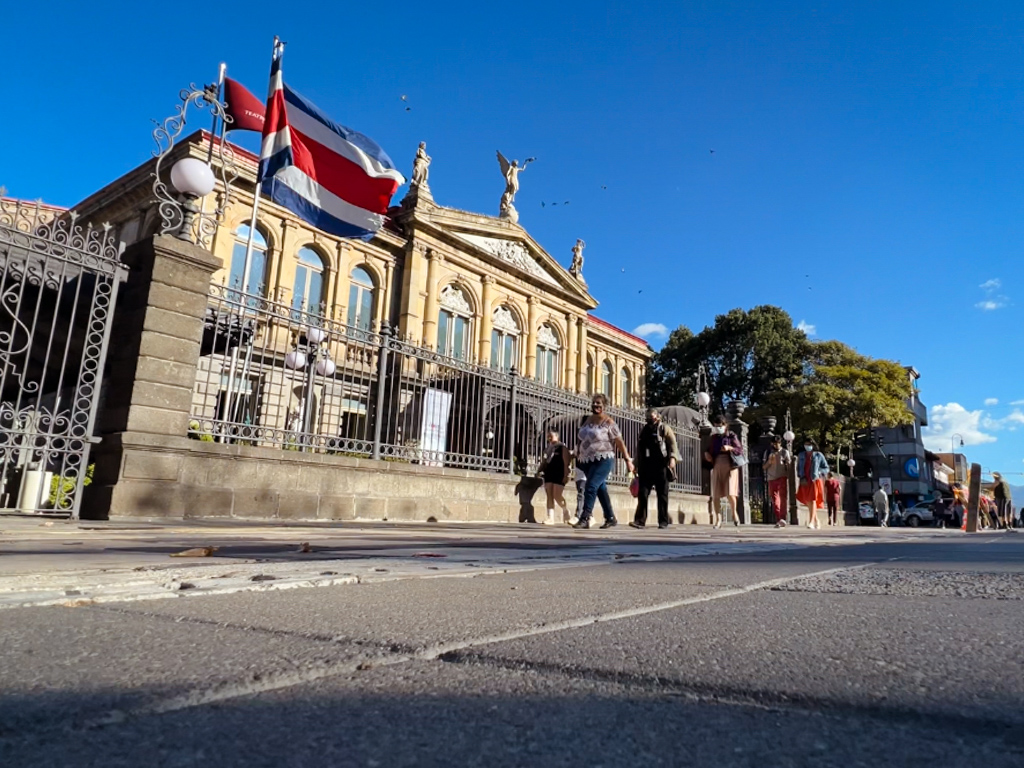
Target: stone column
{"x": 412, "y": 292}
{"x": 486, "y": 319}
{"x": 150, "y": 378}
{"x": 740, "y": 428}
{"x": 531, "y": 336}
{"x": 616, "y": 380}
{"x": 434, "y": 260}
{"x": 279, "y": 275}
{"x": 570, "y": 351}
{"x": 581, "y": 370}
{"x": 385, "y": 294}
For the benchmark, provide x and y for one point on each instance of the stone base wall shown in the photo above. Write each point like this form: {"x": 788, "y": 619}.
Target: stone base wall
{"x": 143, "y": 475}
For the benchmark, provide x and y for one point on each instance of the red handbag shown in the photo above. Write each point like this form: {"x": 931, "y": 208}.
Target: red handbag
{"x": 634, "y": 487}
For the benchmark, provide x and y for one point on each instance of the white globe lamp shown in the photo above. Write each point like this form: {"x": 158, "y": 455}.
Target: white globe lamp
{"x": 788, "y": 436}
{"x": 703, "y": 399}
{"x": 315, "y": 335}
{"x": 192, "y": 177}
{"x": 326, "y": 367}
{"x": 295, "y": 360}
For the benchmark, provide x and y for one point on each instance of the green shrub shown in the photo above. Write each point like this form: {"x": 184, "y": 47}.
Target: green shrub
{"x": 62, "y": 488}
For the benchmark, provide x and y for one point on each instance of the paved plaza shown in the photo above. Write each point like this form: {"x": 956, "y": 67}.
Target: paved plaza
{"x": 390, "y": 645}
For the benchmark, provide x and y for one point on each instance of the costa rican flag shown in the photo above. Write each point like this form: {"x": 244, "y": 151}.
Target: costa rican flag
{"x": 337, "y": 179}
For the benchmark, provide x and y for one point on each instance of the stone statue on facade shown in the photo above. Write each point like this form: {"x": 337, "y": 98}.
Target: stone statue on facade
{"x": 576, "y": 268}
{"x": 420, "y": 168}
{"x": 511, "y": 173}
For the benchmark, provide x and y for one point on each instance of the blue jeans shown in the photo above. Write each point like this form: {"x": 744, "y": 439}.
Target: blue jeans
{"x": 597, "y": 488}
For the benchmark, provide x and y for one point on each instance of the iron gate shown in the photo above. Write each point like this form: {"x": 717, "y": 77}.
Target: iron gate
{"x": 58, "y": 285}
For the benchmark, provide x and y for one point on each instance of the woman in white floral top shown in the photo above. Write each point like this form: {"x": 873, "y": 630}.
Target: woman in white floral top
{"x": 599, "y": 438}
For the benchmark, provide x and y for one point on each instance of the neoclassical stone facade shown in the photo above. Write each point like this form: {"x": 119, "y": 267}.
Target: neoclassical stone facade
{"x": 475, "y": 287}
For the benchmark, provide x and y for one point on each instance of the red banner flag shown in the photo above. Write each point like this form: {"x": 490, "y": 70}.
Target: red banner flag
{"x": 247, "y": 111}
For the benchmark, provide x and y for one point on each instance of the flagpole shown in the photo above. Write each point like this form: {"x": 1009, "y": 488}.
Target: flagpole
{"x": 255, "y": 198}
{"x": 220, "y": 95}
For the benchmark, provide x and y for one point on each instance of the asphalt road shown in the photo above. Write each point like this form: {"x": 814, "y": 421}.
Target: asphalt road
{"x": 892, "y": 652}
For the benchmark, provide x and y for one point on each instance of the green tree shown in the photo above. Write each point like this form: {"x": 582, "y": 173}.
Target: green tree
{"x": 748, "y": 356}
{"x": 842, "y": 392}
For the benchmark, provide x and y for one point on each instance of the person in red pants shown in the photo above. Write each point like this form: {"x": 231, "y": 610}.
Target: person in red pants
{"x": 832, "y": 498}
{"x": 777, "y": 463}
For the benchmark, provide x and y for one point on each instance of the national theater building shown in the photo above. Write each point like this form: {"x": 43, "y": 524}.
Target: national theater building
{"x": 474, "y": 287}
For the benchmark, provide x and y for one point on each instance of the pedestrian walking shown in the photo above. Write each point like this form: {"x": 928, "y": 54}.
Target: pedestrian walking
{"x": 554, "y": 469}
{"x": 777, "y": 463}
{"x": 959, "y": 509}
{"x": 656, "y": 454}
{"x": 599, "y": 439}
{"x": 811, "y": 469}
{"x": 832, "y": 492}
{"x": 1004, "y": 500}
{"x": 881, "y": 502}
{"x": 581, "y": 488}
{"x": 722, "y": 454}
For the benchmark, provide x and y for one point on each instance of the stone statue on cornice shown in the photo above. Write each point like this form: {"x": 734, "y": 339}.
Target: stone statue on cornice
{"x": 511, "y": 173}
{"x": 576, "y": 268}
{"x": 420, "y": 167}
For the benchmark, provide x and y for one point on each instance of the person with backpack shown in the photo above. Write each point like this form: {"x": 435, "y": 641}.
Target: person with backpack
{"x": 656, "y": 454}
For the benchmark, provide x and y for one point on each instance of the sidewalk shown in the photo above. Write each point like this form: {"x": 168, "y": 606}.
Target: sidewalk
{"x": 61, "y": 562}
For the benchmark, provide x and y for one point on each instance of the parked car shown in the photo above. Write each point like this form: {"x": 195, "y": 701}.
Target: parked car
{"x": 922, "y": 513}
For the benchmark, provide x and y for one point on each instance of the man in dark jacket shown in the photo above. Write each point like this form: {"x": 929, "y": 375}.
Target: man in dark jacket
{"x": 656, "y": 465}
{"x": 1001, "y": 492}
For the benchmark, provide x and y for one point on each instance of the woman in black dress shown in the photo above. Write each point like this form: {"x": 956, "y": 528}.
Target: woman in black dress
{"x": 555, "y": 471}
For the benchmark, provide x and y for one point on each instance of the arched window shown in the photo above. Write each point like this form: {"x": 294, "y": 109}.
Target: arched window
{"x": 504, "y": 339}
{"x": 607, "y": 379}
{"x": 627, "y": 388}
{"x": 590, "y": 374}
{"x": 253, "y": 283}
{"x": 453, "y": 323}
{"x": 360, "y": 299}
{"x": 308, "y": 293}
{"x": 547, "y": 355}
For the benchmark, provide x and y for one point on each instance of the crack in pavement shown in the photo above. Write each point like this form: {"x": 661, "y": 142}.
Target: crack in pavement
{"x": 438, "y": 652}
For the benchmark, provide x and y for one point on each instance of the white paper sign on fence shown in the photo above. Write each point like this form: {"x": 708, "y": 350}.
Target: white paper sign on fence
{"x": 434, "y": 429}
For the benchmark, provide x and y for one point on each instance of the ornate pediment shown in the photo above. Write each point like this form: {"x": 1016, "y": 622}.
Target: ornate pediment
{"x": 512, "y": 252}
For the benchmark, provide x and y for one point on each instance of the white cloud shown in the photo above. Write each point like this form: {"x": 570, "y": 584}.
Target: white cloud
{"x": 1011, "y": 422}
{"x": 988, "y": 305}
{"x": 1017, "y": 402}
{"x": 650, "y": 329}
{"x": 944, "y": 421}
{"x": 991, "y": 285}
{"x": 807, "y": 328}
{"x": 991, "y": 401}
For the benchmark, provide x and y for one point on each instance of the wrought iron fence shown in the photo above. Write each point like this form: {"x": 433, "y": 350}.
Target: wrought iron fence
{"x": 58, "y": 285}
{"x": 274, "y": 376}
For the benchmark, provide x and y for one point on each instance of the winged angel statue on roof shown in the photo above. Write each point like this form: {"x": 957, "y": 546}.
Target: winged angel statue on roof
{"x": 511, "y": 173}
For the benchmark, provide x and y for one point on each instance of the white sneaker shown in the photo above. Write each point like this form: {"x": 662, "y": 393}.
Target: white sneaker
{"x": 551, "y": 517}
{"x": 574, "y": 520}
{"x": 590, "y": 522}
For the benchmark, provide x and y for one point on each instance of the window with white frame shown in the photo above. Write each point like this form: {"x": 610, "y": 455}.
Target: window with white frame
{"x": 504, "y": 339}
{"x": 548, "y": 350}
{"x": 253, "y": 282}
{"x": 627, "y": 388}
{"x": 308, "y": 293}
{"x": 607, "y": 379}
{"x": 453, "y": 329}
{"x": 360, "y": 299}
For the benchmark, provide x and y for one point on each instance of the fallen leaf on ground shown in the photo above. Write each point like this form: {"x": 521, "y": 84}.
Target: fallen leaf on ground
{"x": 305, "y": 548}
{"x": 196, "y": 552}
{"x": 429, "y": 554}
{"x": 263, "y": 577}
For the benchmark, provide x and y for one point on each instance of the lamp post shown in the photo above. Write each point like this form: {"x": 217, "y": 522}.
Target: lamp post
{"x": 952, "y": 453}
{"x": 310, "y": 354}
{"x": 191, "y": 179}
{"x": 703, "y": 398}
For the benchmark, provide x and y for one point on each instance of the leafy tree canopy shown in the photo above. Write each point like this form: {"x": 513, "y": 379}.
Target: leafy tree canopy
{"x": 759, "y": 357}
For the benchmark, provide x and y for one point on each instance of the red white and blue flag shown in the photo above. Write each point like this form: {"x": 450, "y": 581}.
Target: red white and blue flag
{"x": 337, "y": 179}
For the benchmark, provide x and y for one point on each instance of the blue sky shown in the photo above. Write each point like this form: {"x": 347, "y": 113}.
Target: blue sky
{"x": 867, "y": 173}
